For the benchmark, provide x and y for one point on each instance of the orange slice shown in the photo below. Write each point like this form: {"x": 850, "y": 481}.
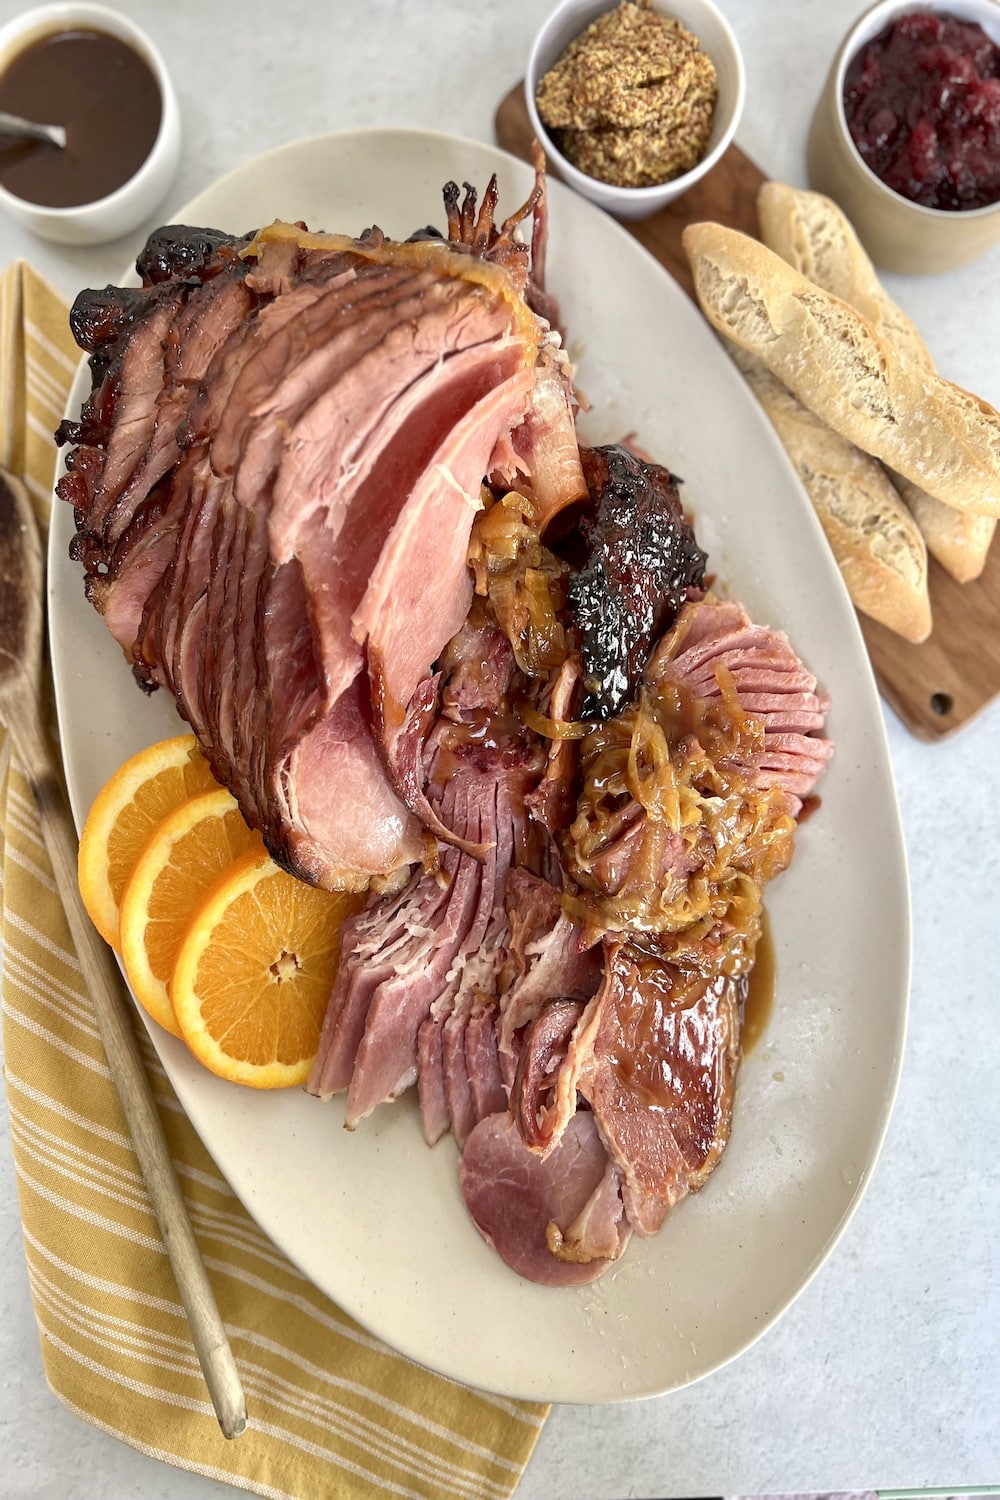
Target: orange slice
{"x": 255, "y": 971}
{"x": 123, "y": 817}
{"x": 190, "y": 849}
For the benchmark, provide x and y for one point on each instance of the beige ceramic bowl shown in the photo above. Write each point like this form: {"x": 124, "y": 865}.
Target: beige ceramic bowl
{"x": 898, "y": 235}
{"x": 125, "y": 209}
{"x": 708, "y": 24}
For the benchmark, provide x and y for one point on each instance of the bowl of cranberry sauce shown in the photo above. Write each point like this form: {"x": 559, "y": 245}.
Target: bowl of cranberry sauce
{"x": 922, "y": 101}
{"x": 906, "y": 135}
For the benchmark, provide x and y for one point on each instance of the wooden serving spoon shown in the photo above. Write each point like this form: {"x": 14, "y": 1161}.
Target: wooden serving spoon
{"x": 22, "y": 591}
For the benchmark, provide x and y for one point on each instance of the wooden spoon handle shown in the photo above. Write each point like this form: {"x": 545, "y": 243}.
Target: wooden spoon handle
{"x": 113, "y": 1010}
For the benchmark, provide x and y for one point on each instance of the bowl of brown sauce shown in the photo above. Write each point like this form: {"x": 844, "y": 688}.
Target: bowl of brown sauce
{"x": 92, "y": 71}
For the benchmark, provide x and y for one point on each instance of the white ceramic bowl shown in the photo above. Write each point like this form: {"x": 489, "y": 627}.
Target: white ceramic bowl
{"x": 702, "y": 18}
{"x": 128, "y": 206}
{"x": 899, "y": 235}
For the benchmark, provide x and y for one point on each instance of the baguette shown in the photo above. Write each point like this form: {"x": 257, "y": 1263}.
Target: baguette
{"x": 937, "y": 436}
{"x": 960, "y": 541}
{"x": 877, "y": 544}
{"x": 813, "y": 235}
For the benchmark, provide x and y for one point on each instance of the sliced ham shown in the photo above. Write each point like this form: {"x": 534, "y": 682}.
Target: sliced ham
{"x": 660, "y": 1080}
{"x": 601, "y": 1230}
{"x": 548, "y": 958}
{"x": 482, "y": 1061}
{"x": 517, "y": 1198}
{"x": 275, "y": 481}
{"x": 420, "y": 591}
{"x": 455, "y": 1069}
{"x": 277, "y": 472}
{"x": 434, "y": 1115}
{"x": 717, "y": 636}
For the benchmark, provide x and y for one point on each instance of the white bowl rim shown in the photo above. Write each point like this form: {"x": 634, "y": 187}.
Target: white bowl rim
{"x": 637, "y": 195}
{"x": 44, "y": 20}
{"x": 879, "y": 15}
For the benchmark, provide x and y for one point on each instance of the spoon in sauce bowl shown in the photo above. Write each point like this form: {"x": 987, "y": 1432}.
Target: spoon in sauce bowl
{"x": 27, "y": 130}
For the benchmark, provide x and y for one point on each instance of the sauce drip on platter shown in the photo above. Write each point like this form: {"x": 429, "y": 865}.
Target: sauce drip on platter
{"x": 759, "y": 987}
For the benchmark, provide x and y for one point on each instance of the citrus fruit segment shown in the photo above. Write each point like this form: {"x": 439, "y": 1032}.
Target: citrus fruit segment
{"x": 255, "y": 971}
{"x": 123, "y": 817}
{"x": 188, "y": 851}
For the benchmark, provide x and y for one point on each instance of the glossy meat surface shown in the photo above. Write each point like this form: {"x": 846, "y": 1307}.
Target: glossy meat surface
{"x": 643, "y": 559}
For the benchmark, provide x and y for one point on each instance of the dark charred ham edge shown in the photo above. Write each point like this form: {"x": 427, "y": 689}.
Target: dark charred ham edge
{"x": 329, "y": 495}
{"x": 644, "y": 563}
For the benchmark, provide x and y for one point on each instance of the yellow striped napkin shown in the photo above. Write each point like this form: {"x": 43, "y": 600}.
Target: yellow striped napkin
{"x": 331, "y": 1410}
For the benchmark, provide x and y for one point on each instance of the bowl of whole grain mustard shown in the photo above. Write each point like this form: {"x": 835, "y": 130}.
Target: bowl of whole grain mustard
{"x": 634, "y": 103}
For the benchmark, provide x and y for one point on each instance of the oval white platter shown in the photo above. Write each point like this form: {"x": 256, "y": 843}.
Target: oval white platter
{"x": 374, "y": 1218}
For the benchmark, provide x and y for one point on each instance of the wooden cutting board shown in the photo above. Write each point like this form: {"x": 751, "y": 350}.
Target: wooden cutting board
{"x": 938, "y": 686}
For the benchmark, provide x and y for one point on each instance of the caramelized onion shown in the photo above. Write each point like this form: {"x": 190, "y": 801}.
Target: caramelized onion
{"x": 553, "y": 729}
{"x": 523, "y": 581}
{"x": 672, "y": 836}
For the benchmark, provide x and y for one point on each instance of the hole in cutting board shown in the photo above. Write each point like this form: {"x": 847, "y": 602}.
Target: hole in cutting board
{"x": 942, "y": 703}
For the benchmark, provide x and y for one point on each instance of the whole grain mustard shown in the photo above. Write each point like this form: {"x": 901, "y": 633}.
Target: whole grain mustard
{"x": 631, "y": 100}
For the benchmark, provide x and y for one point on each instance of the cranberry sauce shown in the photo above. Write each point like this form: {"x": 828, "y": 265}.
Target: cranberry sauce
{"x": 922, "y": 102}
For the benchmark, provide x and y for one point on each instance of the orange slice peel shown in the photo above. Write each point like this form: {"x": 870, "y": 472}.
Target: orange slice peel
{"x": 190, "y": 849}
{"x": 254, "y": 973}
{"x": 124, "y": 816}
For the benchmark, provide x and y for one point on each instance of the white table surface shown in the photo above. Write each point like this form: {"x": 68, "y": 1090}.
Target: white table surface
{"x": 886, "y": 1372}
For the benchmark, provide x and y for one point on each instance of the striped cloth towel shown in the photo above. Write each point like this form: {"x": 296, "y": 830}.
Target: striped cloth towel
{"x": 331, "y": 1410}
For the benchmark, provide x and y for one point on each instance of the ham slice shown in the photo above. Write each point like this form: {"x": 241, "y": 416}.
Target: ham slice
{"x": 714, "y": 636}
{"x": 660, "y": 1080}
{"x": 419, "y": 593}
{"x": 275, "y": 480}
{"x": 519, "y": 1201}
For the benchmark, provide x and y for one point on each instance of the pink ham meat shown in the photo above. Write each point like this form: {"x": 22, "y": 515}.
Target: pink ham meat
{"x": 420, "y": 591}
{"x": 417, "y": 979}
{"x": 660, "y": 1080}
{"x": 274, "y": 483}
{"x": 548, "y": 957}
{"x": 717, "y": 635}
{"x": 458, "y": 1071}
{"x": 522, "y": 1203}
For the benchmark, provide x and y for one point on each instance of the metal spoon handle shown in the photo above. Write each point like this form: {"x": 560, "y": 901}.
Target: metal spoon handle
{"x": 28, "y": 130}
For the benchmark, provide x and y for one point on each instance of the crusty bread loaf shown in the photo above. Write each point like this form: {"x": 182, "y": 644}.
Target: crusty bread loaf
{"x": 875, "y": 540}
{"x": 959, "y": 540}
{"x": 828, "y": 355}
{"x": 815, "y": 236}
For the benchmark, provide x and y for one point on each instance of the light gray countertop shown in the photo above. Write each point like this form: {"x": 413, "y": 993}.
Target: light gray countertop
{"x": 886, "y": 1372}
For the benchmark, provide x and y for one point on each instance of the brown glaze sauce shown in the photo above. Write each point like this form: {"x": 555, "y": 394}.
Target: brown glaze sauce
{"x": 104, "y": 94}
{"x": 759, "y": 984}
